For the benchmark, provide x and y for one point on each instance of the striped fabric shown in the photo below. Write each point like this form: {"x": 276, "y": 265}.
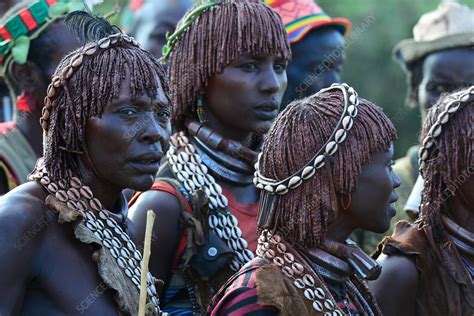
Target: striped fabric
{"x": 30, "y": 22}
{"x": 302, "y": 16}
{"x": 239, "y": 295}
{"x": 299, "y": 27}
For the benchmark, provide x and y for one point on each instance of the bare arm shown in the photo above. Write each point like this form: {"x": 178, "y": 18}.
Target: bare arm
{"x": 166, "y": 231}
{"x": 396, "y": 288}
{"x": 21, "y": 231}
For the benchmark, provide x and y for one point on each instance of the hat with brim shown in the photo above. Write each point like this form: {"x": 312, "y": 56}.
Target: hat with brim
{"x": 409, "y": 51}
{"x": 451, "y": 25}
{"x": 302, "y": 16}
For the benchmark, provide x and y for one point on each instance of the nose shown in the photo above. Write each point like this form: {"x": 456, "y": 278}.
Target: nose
{"x": 396, "y": 180}
{"x": 151, "y": 130}
{"x": 271, "y": 82}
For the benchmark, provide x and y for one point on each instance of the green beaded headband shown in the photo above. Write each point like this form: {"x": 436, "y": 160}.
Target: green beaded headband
{"x": 189, "y": 19}
{"x": 18, "y": 31}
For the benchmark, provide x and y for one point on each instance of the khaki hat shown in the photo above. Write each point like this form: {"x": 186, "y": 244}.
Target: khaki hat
{"x": 450, "y": 25}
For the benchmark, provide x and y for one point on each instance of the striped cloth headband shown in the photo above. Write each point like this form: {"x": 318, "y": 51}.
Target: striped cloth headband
{"x": 27, "y": 24}
{"x": 302, "y": 16}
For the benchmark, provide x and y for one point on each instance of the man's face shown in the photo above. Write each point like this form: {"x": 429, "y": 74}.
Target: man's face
{"x": 126, "y": 143}
{"x": 154, "y": 20}
{"x": 316, "y": 63}
{"x": 444, "y": 72}
{"x": 44, "y": 56}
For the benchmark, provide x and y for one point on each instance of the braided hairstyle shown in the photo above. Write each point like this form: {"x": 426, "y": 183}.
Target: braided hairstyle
{"x": 450, "y": 159}
{"x": 86, "y": 81}
{"x": 214, "y": 39}
{"x": 303, "y": 214}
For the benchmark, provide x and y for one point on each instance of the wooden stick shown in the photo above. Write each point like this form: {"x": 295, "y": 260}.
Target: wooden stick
{"x": 150, "y": 220}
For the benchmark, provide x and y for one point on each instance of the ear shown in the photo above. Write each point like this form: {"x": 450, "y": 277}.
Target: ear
{"x": 27, "y": 77}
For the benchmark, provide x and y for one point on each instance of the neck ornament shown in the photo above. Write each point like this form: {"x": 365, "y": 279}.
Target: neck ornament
{"x": 73, "y": 201}
{"x": 462, "y": 238}
{"x": 228, "y": 160}
{"x": 188, "y": 167}
{"x": 276, "y": 251}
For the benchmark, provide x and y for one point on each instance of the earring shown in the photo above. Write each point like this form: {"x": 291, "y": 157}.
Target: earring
{"x": 345, "y": 205}
{"x": 200, "y": 109}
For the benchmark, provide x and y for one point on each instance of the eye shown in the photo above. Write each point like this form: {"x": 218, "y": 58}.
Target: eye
{"x": 249, "y": 66}
{"x": 280, "y": 67}
{"x": 128, "y": 111}
{"x": 163, "y": 113}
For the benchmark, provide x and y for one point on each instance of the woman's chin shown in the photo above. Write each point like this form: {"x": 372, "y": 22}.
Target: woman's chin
{"x": 142, "y": 183}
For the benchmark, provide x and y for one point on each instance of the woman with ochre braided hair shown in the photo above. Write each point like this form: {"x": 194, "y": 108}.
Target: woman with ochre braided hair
{"x": 64, "y": 236}
{"x": 431, "y": 262}
{"x": 325, "y": 170}
{"x": 227, "y": 62}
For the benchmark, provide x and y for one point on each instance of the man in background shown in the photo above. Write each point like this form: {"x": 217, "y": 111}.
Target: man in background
{"x": 317, "y": 46}
{"x": 439, "y": 59}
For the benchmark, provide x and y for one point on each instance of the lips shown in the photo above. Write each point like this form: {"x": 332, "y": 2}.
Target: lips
{"x": 267, "y": 110}
{"x": 147, "y": 163}
{"x": 390, "y": 209}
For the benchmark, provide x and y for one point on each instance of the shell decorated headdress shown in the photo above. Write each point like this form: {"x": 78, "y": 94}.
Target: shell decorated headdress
{"x": 272, "y": 188}
{"x": 459, "y": 99}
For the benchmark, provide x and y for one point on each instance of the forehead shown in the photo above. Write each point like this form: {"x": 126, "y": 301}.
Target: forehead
{"x": 382, "y": 156}
{"x": 458, "y": 61}
{"x": 158, "y": 96}
{"x": 319, "y": 42}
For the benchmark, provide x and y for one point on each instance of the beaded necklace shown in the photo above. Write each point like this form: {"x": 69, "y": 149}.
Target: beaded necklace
{"x": 275, "y": 250}
{"x": 81, "y": 203}
{"x": 192, "y": 173}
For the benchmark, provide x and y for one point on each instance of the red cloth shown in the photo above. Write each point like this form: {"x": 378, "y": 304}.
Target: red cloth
{"x": 246, "y": 215}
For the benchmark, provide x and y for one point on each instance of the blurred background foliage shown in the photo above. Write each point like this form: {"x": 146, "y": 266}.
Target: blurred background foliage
{"x": 369, "y": 66}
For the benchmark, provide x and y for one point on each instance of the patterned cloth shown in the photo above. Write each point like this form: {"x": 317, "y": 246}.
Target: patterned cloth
{"x": 239, "y": 296}
{"x": 302, "y": 16}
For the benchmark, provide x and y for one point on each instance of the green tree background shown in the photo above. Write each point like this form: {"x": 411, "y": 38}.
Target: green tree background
{"x": 369, "y": 66}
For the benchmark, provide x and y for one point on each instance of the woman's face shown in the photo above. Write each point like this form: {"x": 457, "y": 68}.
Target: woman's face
{"x": 246, "y": 96}
{"x": 126, "y": 143}
{"x": 371, "y": 203}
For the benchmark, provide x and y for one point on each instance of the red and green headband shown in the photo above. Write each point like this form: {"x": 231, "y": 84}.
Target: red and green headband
{"x": 27, "y": 24}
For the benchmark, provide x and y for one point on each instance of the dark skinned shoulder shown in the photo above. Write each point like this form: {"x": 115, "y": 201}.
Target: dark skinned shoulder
{"x": 24, "y": 220}
{"x": 396, "y": 288}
